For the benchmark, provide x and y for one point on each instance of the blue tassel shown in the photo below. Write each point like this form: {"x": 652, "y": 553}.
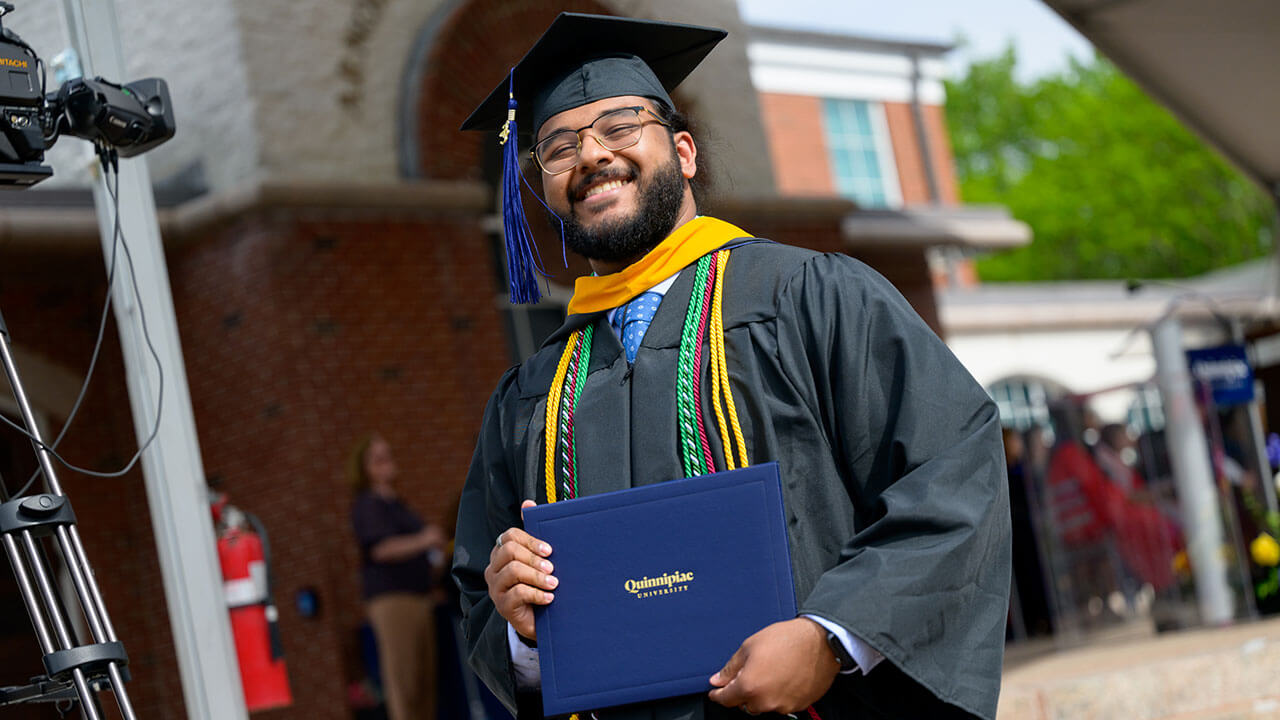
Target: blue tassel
{"x": 522, "y": 254}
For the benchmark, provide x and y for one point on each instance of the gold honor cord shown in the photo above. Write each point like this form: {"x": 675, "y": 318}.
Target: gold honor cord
{"x": 553, "y": 412}
{"x": 720, "y": 371}
{"x": 553, "y": 419}
{"x": 729, "y": 426}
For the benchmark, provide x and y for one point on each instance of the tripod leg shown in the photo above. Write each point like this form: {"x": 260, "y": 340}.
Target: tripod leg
{"x": 88, "y": 700}
{"x": 94, "y": 610}
{"x": 68, "y": 538}
{"x": 78, "y": 559}
{"x": 78, "y": 578}
{"x": 20, "y": 573}
{"x": 41, "y": 618}
{"x": 53, "y": 609}
{"x": 44, "y": 585}
{"x": 122, "y": 695}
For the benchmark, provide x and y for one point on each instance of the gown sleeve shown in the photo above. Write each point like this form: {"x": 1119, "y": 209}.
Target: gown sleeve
{"x": 490, "y": 504}
{"x": 925, "y": 577}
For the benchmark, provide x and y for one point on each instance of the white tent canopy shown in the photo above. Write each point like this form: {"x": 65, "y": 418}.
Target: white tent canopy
{"x": 1215, "y": 64}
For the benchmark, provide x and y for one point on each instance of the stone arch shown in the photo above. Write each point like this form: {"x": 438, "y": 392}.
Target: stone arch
{"x": 464, "y": 54}
{"x": 1053, "y": 386}
{"x": 1024, "y": 399}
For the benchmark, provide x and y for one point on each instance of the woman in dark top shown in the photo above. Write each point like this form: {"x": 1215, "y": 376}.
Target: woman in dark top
{"x": 396, "y": 571}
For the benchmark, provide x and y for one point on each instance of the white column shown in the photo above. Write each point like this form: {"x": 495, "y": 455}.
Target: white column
{"x": 176, "y": 491}
{"x": 1189, "y": 456}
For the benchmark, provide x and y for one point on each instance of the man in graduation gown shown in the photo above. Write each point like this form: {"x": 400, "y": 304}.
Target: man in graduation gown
{"x": 890, "y": 456}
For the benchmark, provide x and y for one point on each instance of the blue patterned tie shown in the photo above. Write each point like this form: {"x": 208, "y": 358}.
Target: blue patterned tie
{"x": 631, "y": 321}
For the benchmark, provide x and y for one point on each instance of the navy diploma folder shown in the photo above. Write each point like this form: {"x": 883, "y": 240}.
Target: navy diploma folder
{"x": 659, "y": 585}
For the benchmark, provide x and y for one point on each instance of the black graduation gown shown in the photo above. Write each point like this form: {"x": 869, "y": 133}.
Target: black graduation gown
{"x": 893, "y": 474}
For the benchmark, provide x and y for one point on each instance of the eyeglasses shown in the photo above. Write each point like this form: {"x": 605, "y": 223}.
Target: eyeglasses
{"x": 615, "y": 130}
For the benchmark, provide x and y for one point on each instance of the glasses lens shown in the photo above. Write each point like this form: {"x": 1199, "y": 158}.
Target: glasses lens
{"x": 618, "y": 129}
{"x": 558, "y": 152}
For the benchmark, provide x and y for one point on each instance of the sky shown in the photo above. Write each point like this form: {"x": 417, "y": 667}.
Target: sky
{"x": 1042, "y": 39}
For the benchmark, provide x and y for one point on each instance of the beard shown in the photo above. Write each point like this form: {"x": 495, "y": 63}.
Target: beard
{"x": 630, "y": 237}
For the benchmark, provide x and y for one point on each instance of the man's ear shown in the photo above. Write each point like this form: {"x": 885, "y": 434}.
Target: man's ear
{"x": 686, "y": 153}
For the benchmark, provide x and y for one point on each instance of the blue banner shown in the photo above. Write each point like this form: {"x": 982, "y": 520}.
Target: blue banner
{"x": 1226, "y": 370}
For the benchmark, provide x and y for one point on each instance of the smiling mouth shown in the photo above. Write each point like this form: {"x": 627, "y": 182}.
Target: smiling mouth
{"x": 604, "y": 188}
{"x": 603, "y": 183}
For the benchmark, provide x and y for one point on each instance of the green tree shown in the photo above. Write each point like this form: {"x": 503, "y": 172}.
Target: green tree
{"x": 1111, "y": 184}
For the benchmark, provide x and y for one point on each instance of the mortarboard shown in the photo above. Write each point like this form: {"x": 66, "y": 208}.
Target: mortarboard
{"x": 583, "y": 58}
{"x": 579, "y": 59}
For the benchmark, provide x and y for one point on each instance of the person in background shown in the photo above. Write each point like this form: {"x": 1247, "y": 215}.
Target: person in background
{"x": 397, "y": 574}
{"x": 1116, "y": 454}
{"x": 1027, "y": 573}
{"x": 1091, "y": 506}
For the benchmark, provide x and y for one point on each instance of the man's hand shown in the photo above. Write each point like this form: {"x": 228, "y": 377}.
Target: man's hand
{"x": 784, "y": 668}
{"x": 519, "y": 577}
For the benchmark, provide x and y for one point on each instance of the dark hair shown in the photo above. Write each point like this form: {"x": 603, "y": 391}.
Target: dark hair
{"x": 700, "y": 183}
{"x": 1114, "y": 434}
{"x": 357, "y": 475}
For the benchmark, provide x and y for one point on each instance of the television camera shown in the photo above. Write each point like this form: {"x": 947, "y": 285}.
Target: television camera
{"x": 129, "y": 119}
{"x": 120, "y": 120}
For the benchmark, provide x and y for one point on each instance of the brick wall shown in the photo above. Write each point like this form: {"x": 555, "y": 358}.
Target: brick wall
{"x": 301, "y": 335}
{"x": 482, "y": 41}
{"x": 793, "y": 125}
{"x": 935, "y": 120}
{"x": 910, "y": 161}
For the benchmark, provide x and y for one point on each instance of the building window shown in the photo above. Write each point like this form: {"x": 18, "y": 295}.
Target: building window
{"x": 857, "y": 136}
{"x": 1023, "y": 403}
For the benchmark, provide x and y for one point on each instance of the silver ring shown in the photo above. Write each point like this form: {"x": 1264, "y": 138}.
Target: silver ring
{"x": 497, "y": 542}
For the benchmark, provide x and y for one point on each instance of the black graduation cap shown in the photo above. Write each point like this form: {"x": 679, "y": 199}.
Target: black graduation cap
{"x": 583, "y": 58}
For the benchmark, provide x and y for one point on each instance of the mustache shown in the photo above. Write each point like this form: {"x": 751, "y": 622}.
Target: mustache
{"x": 606, "y": 175}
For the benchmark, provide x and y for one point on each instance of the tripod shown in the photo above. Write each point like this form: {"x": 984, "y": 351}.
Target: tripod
{"x": 74, "y": 670}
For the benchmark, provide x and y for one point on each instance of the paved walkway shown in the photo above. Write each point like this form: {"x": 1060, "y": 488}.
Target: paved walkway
{"x": 1230, "y": 673}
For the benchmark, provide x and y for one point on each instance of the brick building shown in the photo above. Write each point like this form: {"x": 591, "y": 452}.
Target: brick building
{"x": 862, "y": 118}
{"x": 336, "y": 269}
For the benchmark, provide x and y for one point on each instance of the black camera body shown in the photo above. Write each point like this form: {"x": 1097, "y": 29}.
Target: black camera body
{"x": 129, "y": 119}
{"x": 22, "y": 143}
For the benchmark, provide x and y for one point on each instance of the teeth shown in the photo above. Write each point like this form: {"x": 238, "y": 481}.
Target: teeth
{"x": 605, "y": 187}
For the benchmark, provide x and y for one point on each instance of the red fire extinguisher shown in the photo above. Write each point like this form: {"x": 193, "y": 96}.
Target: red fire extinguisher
{"x": 245, "y": 555}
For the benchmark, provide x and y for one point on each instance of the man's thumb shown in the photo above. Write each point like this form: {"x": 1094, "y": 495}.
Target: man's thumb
{"x": 730, "y": 669}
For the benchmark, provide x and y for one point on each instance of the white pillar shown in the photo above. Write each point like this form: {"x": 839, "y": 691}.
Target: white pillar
{"x": 1189, "y": 456}
{"x": 176, "y": 491}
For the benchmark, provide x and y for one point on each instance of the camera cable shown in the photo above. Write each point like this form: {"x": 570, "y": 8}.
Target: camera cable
{"x": 109, "y": 161}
